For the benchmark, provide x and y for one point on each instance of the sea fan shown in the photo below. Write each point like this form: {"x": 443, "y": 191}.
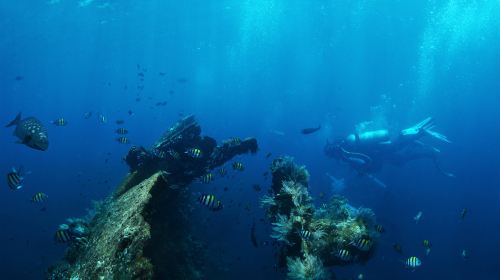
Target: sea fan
{"x": 318, "y": 234}
{"x": 267, "y": 201}
{"x": 366, "y": 216}
{"x": 310, "y": 268}
{"x": 282, "y": 228}
{"x": 285, "y": 169}
{"x": 303, "y": 210}
{"x": 298, "y": 192}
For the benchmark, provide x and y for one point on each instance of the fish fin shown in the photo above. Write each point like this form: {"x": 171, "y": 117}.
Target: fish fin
{"x": 15, "y": 121}
{"x": 27, "y": 139}
{"x": 22, "y": 172}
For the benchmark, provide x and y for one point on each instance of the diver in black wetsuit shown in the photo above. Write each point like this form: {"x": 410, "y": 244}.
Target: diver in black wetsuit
{"x": 368, "y": 151}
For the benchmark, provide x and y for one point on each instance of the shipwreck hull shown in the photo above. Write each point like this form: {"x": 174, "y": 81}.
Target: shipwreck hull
{"x": 143, "y": 230}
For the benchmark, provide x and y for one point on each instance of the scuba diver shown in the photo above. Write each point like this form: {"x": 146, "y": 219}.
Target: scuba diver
{"x": 368, "y": 151}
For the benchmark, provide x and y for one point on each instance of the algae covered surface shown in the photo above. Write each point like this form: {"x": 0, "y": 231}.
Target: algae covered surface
{"x": 117, "y": 238}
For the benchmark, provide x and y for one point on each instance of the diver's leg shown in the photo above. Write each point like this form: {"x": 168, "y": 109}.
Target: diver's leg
{"x": 447, "y": 174}
{"x": 419, "y": 150}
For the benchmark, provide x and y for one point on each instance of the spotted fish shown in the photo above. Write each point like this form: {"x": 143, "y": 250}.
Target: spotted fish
{"x": 30, "y": 132}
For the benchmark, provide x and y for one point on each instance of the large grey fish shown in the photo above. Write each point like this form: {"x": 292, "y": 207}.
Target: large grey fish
{"x": 30, "y": 132}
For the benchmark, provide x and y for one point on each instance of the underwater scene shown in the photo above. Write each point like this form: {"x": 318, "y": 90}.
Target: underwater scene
{"x": 250, "y": 139}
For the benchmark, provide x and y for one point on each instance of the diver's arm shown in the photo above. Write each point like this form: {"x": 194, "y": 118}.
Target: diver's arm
{"x": 358, "y": 161}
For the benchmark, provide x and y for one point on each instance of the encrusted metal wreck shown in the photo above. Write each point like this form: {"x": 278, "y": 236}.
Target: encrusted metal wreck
{"x": 142, "y": 230}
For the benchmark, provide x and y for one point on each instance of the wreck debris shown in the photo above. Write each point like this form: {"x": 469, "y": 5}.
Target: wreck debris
{"x": 142, "y": 231}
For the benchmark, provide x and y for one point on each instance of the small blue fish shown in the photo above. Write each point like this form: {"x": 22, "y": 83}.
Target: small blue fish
{"x": 344, "y": 255}
{"x": 222, "y": 171}
{"x": 63, "y": 236}
{"x": 15, "y": 179}
{"x": 207, "y": 178}
{"x": 194, "y": 153}
{"x": 363, "y": 244}
{"x": 123, "y": 140}
{"x": 39, "y": 197}
{"x": 60, "y": 122}
{"x": 305, "y": 234}
{"x": 102, "y": 118}
{"x": 413, "y": 262}
{"x": 121, "y": 131}
{"x": 238, "y": 166}
{"x": 210, "y": 201}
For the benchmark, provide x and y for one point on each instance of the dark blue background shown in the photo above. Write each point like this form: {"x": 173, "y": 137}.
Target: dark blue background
{"x": 259, "y": 68}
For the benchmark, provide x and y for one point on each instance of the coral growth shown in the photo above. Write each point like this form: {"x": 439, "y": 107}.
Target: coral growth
{"x": 284, "y": 169}
{"x": 281, "y": 228}
{"x": 267, "y": 201}
{"x": 309, "y": 267}
{"x": 311, "y": 238}
{"x": 297, "y": 192}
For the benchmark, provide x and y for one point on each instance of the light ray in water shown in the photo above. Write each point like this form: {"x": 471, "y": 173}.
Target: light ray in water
{"x": 452, "y": 29}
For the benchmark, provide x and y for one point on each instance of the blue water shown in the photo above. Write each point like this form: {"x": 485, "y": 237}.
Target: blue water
{"x": 265, "y": 69}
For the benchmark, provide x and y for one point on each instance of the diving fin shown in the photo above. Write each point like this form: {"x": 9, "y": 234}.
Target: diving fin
{"x": 426, "y": 123}
{"x": 416, "y": 129}
{"x": 437, "y": 135}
